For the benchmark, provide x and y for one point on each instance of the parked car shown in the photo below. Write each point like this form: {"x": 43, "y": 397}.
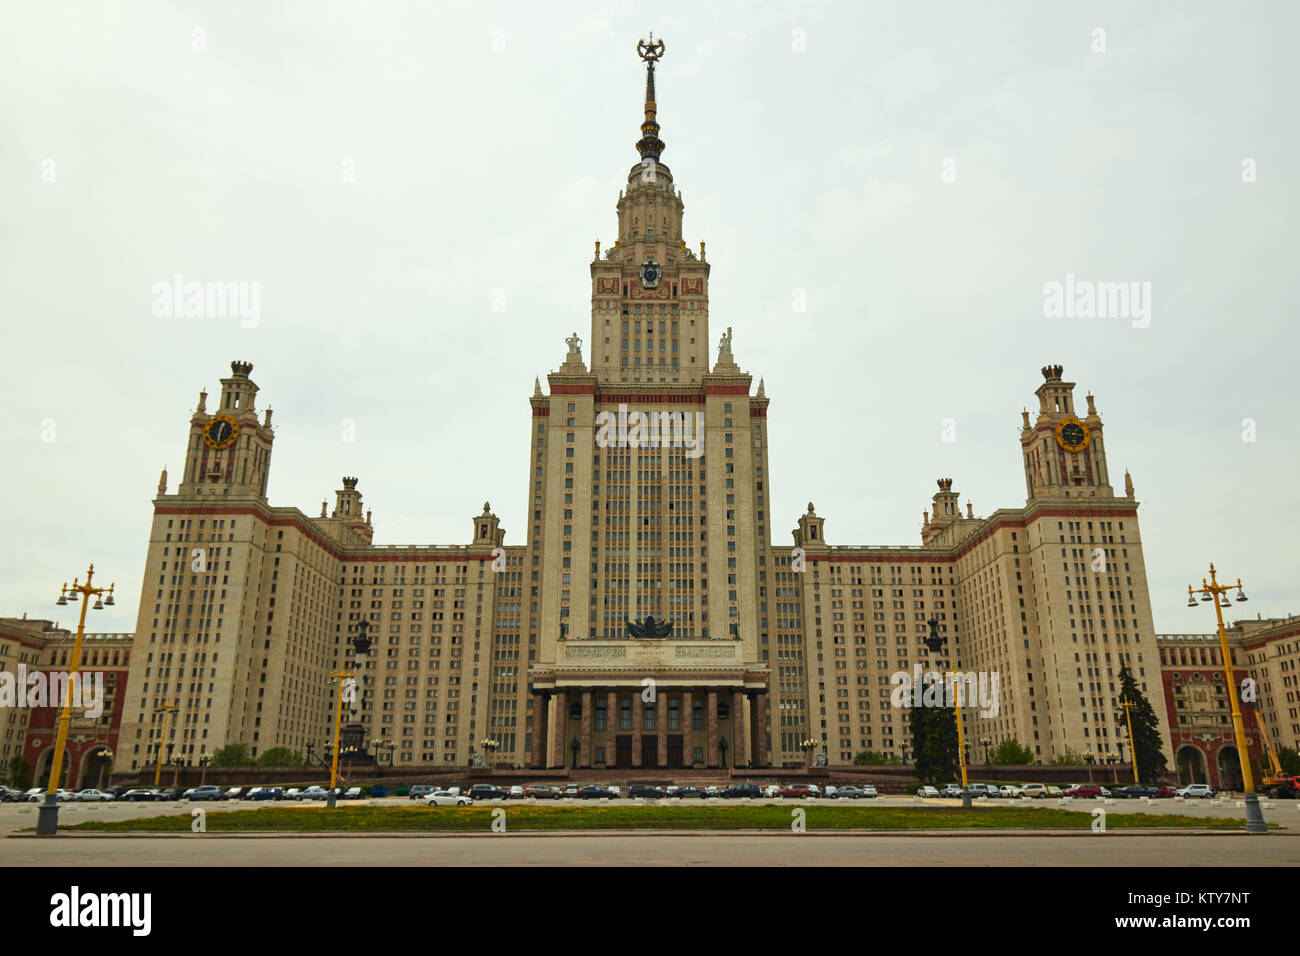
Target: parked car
{"x": 1084, "y": 790}
{"x": 741, "y": 791}
{"x": 952, "y": 790}
{"x": 982, "y": 790}
{"x": 543, "y": 792}
{"x": 593, "y": 792}
{"x": 234, "y": 793}
{"x": 829, "y": 792}
{"x": 1135, "y": 791}
{"x": 1037, "y": 791}
{"x": 141, "y": 794}
{"x": 712, "y": 791}
{"x": 845, "y": 793}
{"x": 314, "y": 793}
{"x": 205, "y": 792}
{"x": 796, "y": 791}
{"x": 1163, "y": 792}
{"x": 486, "y": 791}
{"x": 115, "y": 792}
{"x": 1054, "y": 791}
{"x": 771, "y": 789}
{"x": 352, "y": 793}
{"x": 1105, "y": 792}
{"x": 1197, "y": 791}
{"x": 420, "y": 791}
{"x": 925, "y": 790}
{"x": 444, "y": 798}
{"x": 615, "y": 791}
{"x": 643, "y": 791}
{"x": 1011, "y": 791}
{"x": 92, "y": 795}
{"x": 267, "y": 793}
{"x": 9, "y": 795}
{"x": 515, "y": 793}
{"x": 683, "y": 793}
{"x": 379, "y": 791}
{"x": 869, "y": 791}
{"x": 293, "y": 793}
{"x": 571, "y": 790}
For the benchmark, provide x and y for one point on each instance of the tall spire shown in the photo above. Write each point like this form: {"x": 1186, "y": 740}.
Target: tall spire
{"x": 650, "y": 145}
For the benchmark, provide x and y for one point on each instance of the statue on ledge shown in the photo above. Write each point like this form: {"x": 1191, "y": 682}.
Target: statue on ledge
{"x": 650, "y": 627}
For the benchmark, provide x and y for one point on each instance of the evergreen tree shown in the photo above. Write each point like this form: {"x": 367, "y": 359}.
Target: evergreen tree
{"x": 1010, "y": 753}
{"x": 934, "y": 739}
{"x": 1145, "y": 746}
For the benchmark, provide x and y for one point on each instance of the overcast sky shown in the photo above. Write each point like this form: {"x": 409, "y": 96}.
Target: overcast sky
{"x": 917, "y": 172}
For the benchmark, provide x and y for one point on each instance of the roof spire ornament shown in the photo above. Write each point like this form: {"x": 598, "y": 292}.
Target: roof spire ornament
{"x": 650, "y": 145}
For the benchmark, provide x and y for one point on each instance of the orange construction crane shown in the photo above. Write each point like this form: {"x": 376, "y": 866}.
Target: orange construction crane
{"x": 1277, "y": 783}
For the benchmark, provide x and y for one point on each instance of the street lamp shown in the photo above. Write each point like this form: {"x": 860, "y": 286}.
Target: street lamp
{"x": 808, "y": 746}
{"x": 1128, "y": 706}
{"x": 106, "y": 761}
{"x": 205, "y": 758}
{"x": 1214, "y": 591}
{"x": 984, "y": 742}
{"x": 47, "y": 823}
{"x": 573, "y": 746}
{"x": 722, "y": 751}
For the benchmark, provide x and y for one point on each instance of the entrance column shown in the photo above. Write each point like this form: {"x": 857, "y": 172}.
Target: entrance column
{"x": 561, "y": 722}
{"x": 538, "y": 757}
{"x": 761, "y": 758}
{"x": 636, "y": 728}
{"x": 661, "y": 722}
{"x": 711, "y": 722}
{"x": 611, "y": 729}
{"x": 584, "y": 753}
{"x": 738, "y": 729}
{"x": 688, "y": 749}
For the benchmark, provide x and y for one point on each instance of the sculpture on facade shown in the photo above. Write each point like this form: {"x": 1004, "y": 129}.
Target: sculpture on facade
{"x": 650, "y": 627}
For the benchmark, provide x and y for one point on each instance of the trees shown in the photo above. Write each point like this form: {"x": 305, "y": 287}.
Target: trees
{"x": 280, "y": 757}
{"x": 1011, "y": 753}
{"x": 1071, "y": 758}
{"x": 874, "y": 758}
{"x": 232, "y": 755}
{"x": 1146, "y": 745}
{"x": 19, "y": 773}
{"x": 934, "y": 738}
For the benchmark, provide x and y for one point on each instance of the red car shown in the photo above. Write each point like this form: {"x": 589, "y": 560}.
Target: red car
{"x": 797, "y": 791}
{"x": 1084, "y": 790}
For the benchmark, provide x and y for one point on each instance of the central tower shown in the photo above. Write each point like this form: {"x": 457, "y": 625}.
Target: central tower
{"x": 649, "y": 292}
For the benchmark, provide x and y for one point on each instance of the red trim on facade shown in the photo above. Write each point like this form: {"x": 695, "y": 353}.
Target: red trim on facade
{"x": 726, "y": 389}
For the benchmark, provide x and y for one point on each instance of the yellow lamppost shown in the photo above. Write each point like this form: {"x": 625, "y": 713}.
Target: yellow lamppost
{"x": 167, "y": 711}
{"x": 342, "y": 677}
{"x": 47, "y": 823}
{"x": 1218, "y": 593}
{"x": 1128, "y": 706}
{"x": 961, "y": 741}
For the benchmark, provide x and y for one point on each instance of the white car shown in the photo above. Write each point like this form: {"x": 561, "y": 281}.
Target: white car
{"x": 926, "y": 791}
{"x": 37, "y": 795}
{"x": 1011, "y": 790}
{"x": 445, "y": 798}
{"x": 710, "y": 791}
{"x": 314, "y": 793}
{"x": 771, "y": 789}
{"x": 1191, "y": 791}
{"x": 91, "y": 795}
{"x": 615, "y": 791}
{"x": 517, "y": 792}
{"x": 868, "y": 790}
{"x": 293, "y": 793}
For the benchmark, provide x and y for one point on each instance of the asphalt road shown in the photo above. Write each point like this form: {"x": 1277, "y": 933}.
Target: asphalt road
{"x": 674, "y": 849}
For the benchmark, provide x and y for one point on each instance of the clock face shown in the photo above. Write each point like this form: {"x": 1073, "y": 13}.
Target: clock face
{"x": 221, "y": 431}
{"x": 650, "y": 274}
{"x": 1073, "y": 435}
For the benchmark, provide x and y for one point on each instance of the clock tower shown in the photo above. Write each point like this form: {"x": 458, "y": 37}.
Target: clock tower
{"x": 1064, "y": 455}
{"x": 649, "y": 292}
{"x": 229, "y": 450}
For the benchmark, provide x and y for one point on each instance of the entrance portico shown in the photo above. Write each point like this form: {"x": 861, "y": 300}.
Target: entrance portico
{"x": 649, "y": 704}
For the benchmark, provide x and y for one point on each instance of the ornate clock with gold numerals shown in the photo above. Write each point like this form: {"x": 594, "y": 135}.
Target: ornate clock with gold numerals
{"x": 1072, "y": 434}
{"x": 221, "y": 431}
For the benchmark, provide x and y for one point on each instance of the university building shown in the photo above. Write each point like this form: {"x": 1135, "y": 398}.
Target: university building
{"x": 645, "y": 616}
{"x": 1265, "y": 651}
